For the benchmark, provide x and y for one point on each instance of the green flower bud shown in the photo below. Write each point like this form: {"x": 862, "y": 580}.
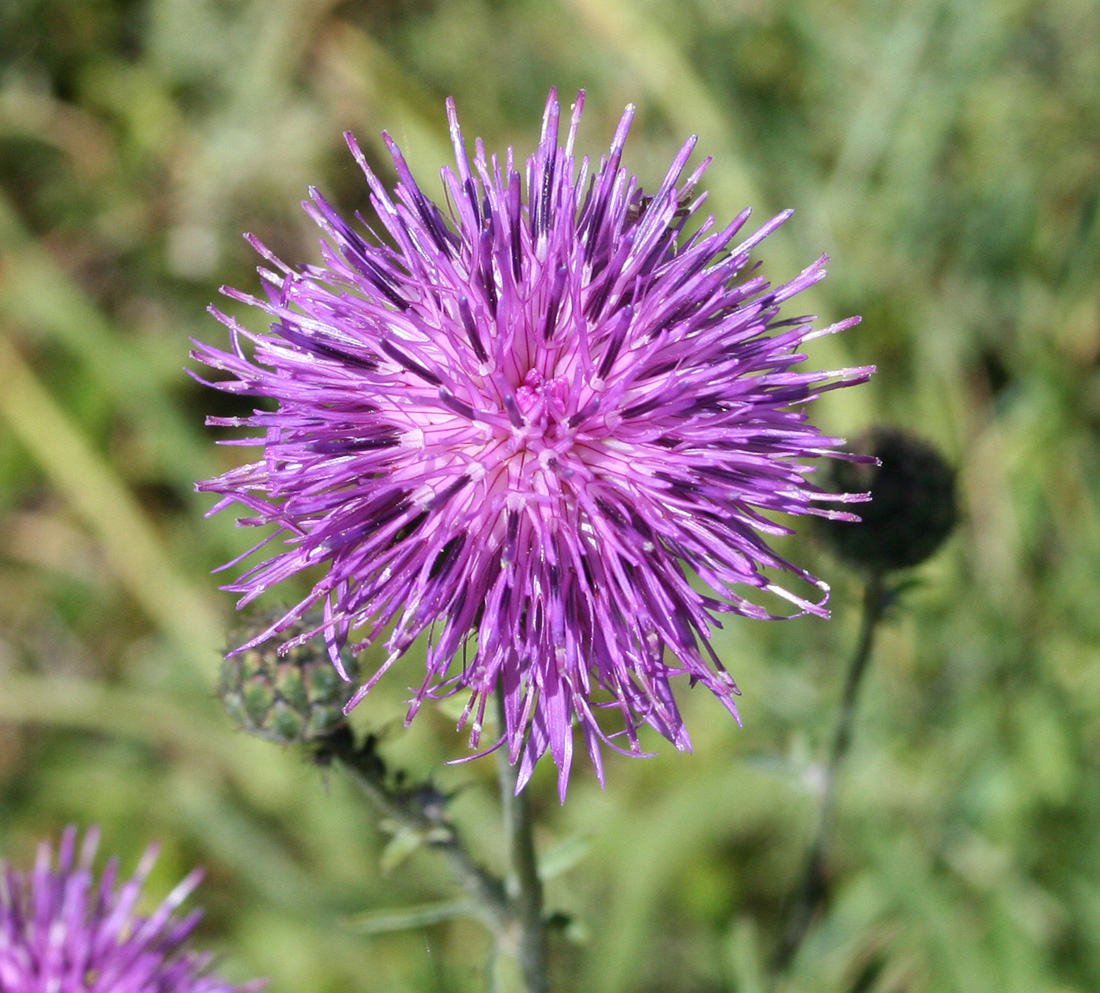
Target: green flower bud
{"x": 286, "y": 698}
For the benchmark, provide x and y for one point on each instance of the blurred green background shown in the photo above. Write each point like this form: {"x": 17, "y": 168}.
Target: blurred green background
{"x": 946, "y": 153}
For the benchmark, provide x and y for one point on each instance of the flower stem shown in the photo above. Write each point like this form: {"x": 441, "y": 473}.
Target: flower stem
{"x": 812, "y": 890}
{"x": 516, "y": 920}
{"x": 527, "y": 903}
{"x": 408, "y": 809}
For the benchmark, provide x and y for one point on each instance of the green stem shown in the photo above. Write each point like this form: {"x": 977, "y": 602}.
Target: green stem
{"x": 519, "y": 828}
{"x": 406, "y": 808}
{"x": 812, "y": 890}
{"x": 516, "y": 921}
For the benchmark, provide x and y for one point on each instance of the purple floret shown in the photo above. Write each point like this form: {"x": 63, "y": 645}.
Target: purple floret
{"x": 62, "y": 931}
{"x": 520, "y": 426}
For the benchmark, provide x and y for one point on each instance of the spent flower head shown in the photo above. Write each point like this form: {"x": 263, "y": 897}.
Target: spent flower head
{"x": 64, "y": 931}
{"x": 913, "y": 508}
{"x": 522, "y": 425}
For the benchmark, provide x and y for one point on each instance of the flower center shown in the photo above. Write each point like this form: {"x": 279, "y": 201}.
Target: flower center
{"x": 540, "y": 408}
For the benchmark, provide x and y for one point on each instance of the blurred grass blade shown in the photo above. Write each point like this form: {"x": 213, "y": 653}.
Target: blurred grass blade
{"x": 140, "y": 559}
{"x": 38, "y": 295}
{"x": 110, "y": 710}
{"x": 743, "y": 957}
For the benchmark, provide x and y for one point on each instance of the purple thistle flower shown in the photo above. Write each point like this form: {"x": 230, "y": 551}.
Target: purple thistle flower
{"x": 519, "y": 426}
{"x": 62, "y": 932}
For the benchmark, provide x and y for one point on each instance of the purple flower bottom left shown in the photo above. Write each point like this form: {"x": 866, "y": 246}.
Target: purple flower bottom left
{"x": 63, "y": 930}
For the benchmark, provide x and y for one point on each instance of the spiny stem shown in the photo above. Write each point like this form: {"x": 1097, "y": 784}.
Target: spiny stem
{"x": 407, "y": 808}
{"x": 517, "y": 921}
{"x": 811, "y": 891}
{"x": 519, "y": 829}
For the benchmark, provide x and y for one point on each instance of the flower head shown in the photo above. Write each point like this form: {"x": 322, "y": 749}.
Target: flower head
{"x": 913, "y": 508}
{"x": 519, "y": 425}
{"x": 62, "y": 931}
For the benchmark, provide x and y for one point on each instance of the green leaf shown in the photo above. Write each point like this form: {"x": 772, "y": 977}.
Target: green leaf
{"x": 399, "y": 848}
{"x": 409, "y": 918}
{"x": 561, "y": 858}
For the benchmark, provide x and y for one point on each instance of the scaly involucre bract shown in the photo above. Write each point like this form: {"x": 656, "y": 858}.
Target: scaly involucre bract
{"x": 519, "y": 425}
